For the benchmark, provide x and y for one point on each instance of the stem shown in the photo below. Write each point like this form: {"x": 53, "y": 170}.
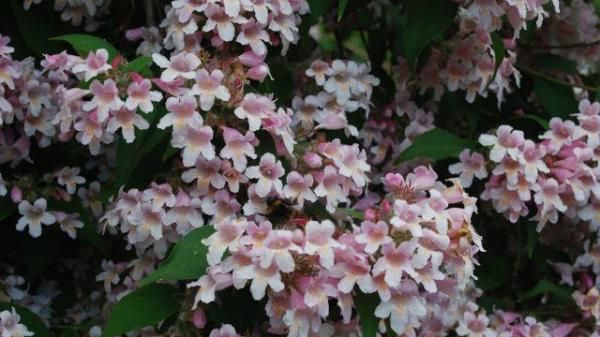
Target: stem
{"x": 554, "y": 79}
{"x": 564, "y": 46}
{"x": 149, "y": 12}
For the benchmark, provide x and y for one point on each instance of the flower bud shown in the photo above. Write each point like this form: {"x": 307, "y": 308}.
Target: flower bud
{"x": 16, "y": 194}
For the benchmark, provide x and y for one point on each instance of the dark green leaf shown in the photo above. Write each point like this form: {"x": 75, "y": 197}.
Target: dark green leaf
{"x": 557, "y": 100}
{"x": 547, "y": 287}
{"x": 341, "y": 9}
{"x": 365, "y": 307}
{"x": 539, "y": 120}
{"x": 426, "y": 19}
{"x": 130, "y": 155}
{"x": 493, "y": 272}
{"x": 7, "y": 208}
{"x": 145, "y": 306}
{"x": 83, "y": 44}
{"x": 186, "y": 261}
{"x": 318, "y": 8}
{"x": 434, "y": 144}
{"x": 141, "y": 65}
{"x": 532, "y": 238}
{"x": 33, "y": 322}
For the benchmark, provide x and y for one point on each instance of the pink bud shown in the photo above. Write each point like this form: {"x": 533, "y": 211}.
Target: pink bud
{"x": 16, "y": 195}
{"x": 587, "y": 281}
{"x": 216, "y": 41}
{"x": 313, "y": 160}
{"x": 258, "y": 73}
{"x": 385, "y": 206}
{"x": 250, "y": 59}
{"x": 134, "y": 34}
{"x": 370, "y": 215}
{"x": 199, "y": 318}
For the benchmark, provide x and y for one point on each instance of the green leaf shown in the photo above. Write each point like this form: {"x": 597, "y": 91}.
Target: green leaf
{"x": 145, "y": 306}
{"x": 539, "y": 120}
{"x": 547, "y": 287}
{"x": 434, "y": 144}
{"x": 33, "y": 322}
{"x": 83, "y": 44}
{"x": 493, "y": 272}
{"x": 352, "y": 213}
{"x": 499, "y": 50}
{"x": 365, "y": 307}
{"x": 186, "y": 261}
{"x": 318, "y": 8}
{"x": 532, "y": 238}
{"x": 341, "y": 9}
{"x": 130, "y": 155}
{"x": 7, "y": 208}
{"x": 141, "y": 65}
{"x": 557, "y": 100}
{"x": 88, "y": 232}
{"x": 426, "y": 19}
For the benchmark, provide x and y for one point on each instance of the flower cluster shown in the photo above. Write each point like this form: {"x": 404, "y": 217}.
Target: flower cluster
{"x": 76, "y": 11}
{"x": 558, "y": 173}
{"x": 10, "y": 326}
{"x": 415, "y": 250}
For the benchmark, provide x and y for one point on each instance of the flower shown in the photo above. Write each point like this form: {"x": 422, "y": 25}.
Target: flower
{"x": 208, "y": 87}
{"x": 70, "y": 178}
{"x": 106, "y": 99}
{"x": 94, "y": 64}
{"x": 126, "y": 120}
{"x": 470, "y": 165}
{"x": 506, "y": 142}
{"x": 238, "y": 147}
{"x": 34, "y": 216}
{"x": 373, "y": 235}
{"x": 268, "y": 173}
{"x": 255, "y": 108}
{"x": 298, "y": 187}
{"x": 181, "y": 65}
{"x": 140, "y": 95}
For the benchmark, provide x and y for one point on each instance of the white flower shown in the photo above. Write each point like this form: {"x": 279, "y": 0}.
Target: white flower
{"x": 268, "y": 172}
{"x": 34, "y": 216}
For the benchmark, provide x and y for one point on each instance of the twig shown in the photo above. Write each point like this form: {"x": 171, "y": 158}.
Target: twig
{"x": 554, "y": 79}
{"x": 149, "y": 12}
{"x": 564, "y": 46}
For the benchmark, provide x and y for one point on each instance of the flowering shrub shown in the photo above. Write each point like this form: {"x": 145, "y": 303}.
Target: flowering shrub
{"x": 299, "y": 168}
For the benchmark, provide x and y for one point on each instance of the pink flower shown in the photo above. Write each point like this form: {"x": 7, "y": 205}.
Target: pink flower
{"x": 208, "y": 87}
{"x": 253, "y": 34}
{"x": 506, "y": 142}
{"x": 218, "y": 19}
{"x": 70, "y": 178}
{"x": 181, "y": 65}
{"x": 298, "y": 187}
{"x": 262, "y": 277}
{"x": 225, "y": 331}
{"x": 141, "y": 96}
{"x": 319, "y": 239}
{"x": 319, "y": 69}
{"x": 238, "y": 147}
{"x": 182, "y": 111}
{"x": 548, "y": 200}
{"x": 474, "y": 326}
{"x": 255, "y": 108}
{"x": 95, "y": 63}
{"x": 407, "y": 217}
{"x": 278, "y": 248}
{"x": 470, "y": 165}
{"x": 106, "y": 99}
{"x": 34, "y": 216}
{"x": 195, "y": 139}
{"x": 227, "y": 236}
{"x": 268, "y": 172}
{"x": 373, "y": 235}
{"x": 330, "y": 187}
{"x": 126, "y": 120}
{"x": 395, "y": 262}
